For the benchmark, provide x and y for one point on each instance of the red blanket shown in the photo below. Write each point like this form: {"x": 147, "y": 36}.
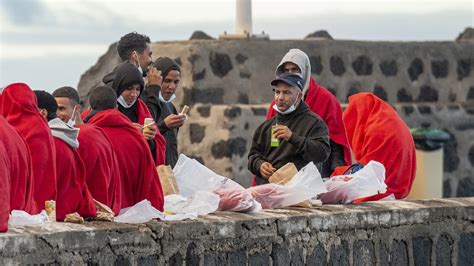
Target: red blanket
{"x": 73, "y": 194}
{"x": 326, "y": 105}
{"x": 4, "y": 189}
{"x": 376, "y": 132}
{"x": 19, "y": 106}
{"x": 143, "y": 113}
{"x": 19, "y": 169}
{"x": 102, "y": 171}
{"x": 138, "y": 172}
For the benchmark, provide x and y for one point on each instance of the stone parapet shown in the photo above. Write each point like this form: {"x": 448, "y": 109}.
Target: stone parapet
{"x": 423, "y": 232}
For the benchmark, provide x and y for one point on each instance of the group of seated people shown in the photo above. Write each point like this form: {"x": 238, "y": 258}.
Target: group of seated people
{"x": 49, "y": 150}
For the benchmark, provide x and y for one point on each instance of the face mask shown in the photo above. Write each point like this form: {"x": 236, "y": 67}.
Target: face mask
{"x": 287, "y": 111}
{"x": 165, "y": 101}
{"x": 71, "y": 122}
{"x": 139, "y": 67}
{"x": 123, "y": 103}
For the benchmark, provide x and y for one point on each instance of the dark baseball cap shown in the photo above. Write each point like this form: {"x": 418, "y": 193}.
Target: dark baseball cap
{"x": 292, "y": 79}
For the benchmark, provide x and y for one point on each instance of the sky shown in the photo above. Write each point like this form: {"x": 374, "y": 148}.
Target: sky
{"x": 50, "y": 43}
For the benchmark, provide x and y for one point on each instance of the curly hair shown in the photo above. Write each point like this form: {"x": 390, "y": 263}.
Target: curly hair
{"x": 130, "y": 42}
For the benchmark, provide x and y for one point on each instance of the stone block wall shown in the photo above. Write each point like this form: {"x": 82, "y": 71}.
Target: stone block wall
{"x": 426, "y": 232}
{"x": 227, "y": 84}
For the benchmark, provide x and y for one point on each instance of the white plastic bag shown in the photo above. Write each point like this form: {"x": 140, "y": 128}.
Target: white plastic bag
{"x": 141, "y": 212}
{"x": 366, "y": 182}
{"x": 22, "y": 218}
{"x": 306, "y": 184}
{"x": 201, "y": 203}
{"x": 192, "y": 177}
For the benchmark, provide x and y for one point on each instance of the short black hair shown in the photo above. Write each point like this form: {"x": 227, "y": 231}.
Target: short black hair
{"x": 130, "y": 42}
{"x": 67, "y": 92}
{"x": 46, "y": 101}
{"x": 102, "y": 98}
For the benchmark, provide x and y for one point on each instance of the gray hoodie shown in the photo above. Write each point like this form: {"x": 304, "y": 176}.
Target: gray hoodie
{"x": 299, "y": 58}
{"x": 64, "y": 132}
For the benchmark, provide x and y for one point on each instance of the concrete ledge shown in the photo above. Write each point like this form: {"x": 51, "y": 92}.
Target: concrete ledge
{"x": 402, "y": 232}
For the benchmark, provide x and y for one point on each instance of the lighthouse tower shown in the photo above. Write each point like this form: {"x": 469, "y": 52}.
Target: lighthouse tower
{"x": 243, "y": 22}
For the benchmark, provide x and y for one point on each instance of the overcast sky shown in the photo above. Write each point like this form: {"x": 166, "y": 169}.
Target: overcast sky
{"x": 48, "y": 44}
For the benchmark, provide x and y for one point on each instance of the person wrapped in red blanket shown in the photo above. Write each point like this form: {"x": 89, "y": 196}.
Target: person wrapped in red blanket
{"x": 321, "y": 102}
{"x": 95, "y": 149}
{"x": 102, "y": 167}
{"x": 19, "y": 107}
{"x": 4, "y": 189}
{"x": 72, "y": 192}
{"x": 20, "y": 174}
{"x": 139, "y": 177}
{"x": 376, "y": 132}
{"x": 128, "y": 85}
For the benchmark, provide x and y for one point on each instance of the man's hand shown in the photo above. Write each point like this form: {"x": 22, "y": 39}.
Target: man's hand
{"x": 149, "y": 131}
{"x": 154, "y": 76}
{"x": 174, "y": 121}
{"x": 267, "y": 170}
{"x": 283, "y": 132}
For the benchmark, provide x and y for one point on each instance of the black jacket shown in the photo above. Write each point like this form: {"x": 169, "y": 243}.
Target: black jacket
{"x": 159, "y": 111}
{"x": 309, "y": 142}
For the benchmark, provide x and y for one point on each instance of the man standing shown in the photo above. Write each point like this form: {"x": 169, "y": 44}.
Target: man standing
{"x": 159, "y": 100}
{"x": 136, "y": 48}
{"x": 69, "y": 108}
{"x": 321, "y": 102}
{"x": 294, "y": 135}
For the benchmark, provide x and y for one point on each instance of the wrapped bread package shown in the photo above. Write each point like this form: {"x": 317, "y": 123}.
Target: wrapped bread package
{"x": 283, "y": 176}
{"x": 168, "y": 180}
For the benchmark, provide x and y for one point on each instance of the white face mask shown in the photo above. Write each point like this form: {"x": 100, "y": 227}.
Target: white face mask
{"x": 71, "y": 122}
{"x": 167, "y": 101}
{"x": 291, "y": 109}
{"x": 138, "y": 64}
{"x": 123, "y": 103}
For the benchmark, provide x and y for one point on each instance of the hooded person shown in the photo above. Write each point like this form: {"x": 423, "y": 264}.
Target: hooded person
{"x": 95, "y": 149}
{"x": 128, "y": 86}
{"x": 18, "y": 167}
{"x": 159, "y": 101}
{"x": 139, "y": 177}
{"x": 19, "y": 107}
{"x": 321, "y": 102}
{"x": 376, "y": 132}
{"x": 294, "y": 135}
{"x": 72, "y": 192}
{"x": 4, "y": 189}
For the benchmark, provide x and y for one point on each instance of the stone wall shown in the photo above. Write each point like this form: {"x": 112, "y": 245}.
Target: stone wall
{"x": 227, "y": 84}
{"x": 430, "y": 232}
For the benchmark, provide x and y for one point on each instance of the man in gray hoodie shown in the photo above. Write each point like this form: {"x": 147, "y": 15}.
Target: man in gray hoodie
{"x": 294, "y": 135}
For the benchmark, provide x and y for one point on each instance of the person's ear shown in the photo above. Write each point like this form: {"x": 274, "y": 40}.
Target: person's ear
{"x": 44, "y": 113}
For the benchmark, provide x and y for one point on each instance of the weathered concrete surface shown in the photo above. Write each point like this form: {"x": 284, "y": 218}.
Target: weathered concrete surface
{"x": 380, "y": 233}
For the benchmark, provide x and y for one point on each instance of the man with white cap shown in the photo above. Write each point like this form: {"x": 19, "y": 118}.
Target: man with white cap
{"x": 294, "y": 135}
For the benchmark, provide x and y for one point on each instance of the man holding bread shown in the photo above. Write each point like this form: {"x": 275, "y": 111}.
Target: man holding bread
{"x": 295, "y": 134}
{"x": 159, "y": 100}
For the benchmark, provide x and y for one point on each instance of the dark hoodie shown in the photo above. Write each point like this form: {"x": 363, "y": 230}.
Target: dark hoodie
{"x": 160, "y": 110}
{"x": 124, "y": 76}
{"x": 309, "y": 142}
